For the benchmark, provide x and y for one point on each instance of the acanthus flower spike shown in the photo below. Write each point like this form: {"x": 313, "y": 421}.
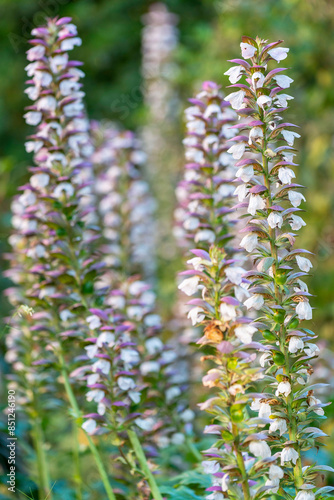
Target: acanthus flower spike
{"x": 125, "y": 209}
{"x": 215, "y": 278}
{"x": 279, "y": 296}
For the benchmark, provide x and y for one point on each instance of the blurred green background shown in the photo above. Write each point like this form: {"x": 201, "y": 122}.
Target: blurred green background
{"x": 209, "y": 34}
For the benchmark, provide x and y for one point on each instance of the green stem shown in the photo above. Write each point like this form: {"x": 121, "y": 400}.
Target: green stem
{"x": 241, "y": 464}
{"x": 78, "y": 415}
{"x": 76, "y": 457}
{"x": 43, "y": 473}
{"x": 137, "y": 448}
{"x": 297, "y": 469}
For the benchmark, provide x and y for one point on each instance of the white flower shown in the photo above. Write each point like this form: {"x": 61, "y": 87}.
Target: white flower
{"x": 70, "y": 43}
{"x": 236, "y": 99}
{"x": 305, "y": 495}
{"x": 259, "y": 449}
{"x": 245, "y": 333}
{"x": 275, "y": 220}
{"x": 101, "y": 408}
{"x": 297, "y": 222}
{"x": 283, "y": 81}
{"x": 304, "y": 310}
{"x": 256, "y": 301}
{"x": 89, "y": 426}
{"x": 249, "y": 242}
{"x": 152, "y": 320}
{"x": 196, "y": 262}
{"x": 103, "y": 365}
{"x": 225, "y": 482}
{"x": 187, "y": 415}
{"x": 275, "y": 472}
{"x": 278, "y": 53}
{"x": 67, "y": 87}
{"x": 237, "y": 150}
{"x": 311, "y": 350}
{"x": 93, "y": 321}
{"x": 149, "y": 367}
{"x": 257, "y": 79}
{"x": 146, "y": 424}
{"x": 64, "y": 188}
{"x": 264, "y": 410}
{"x": 39, "y": 180}
{"x": 241, "y": 192}
{"x": 33, "y": 117}
{"x": 130, "y": 356}
{"x": 303, "y": 263}
{"x": 47, "y": 103}
{"x": 247, "y": 50}
{"x": 42, "y": 78}
{"x": 205, "y": 235}
{"x": 245, "y": 173}
{"x": 195, "y": 315}
{"x": 264, "y": 359}
{"x": 191, "y": 223}
{"x": 290, "y": 136}
{"x": 289, "y": 455}
{"x": 255, "y": 203}
{"x": 274, "y": 484}
{"x": 35, "y": 53}
{"x": 255, "y": 133}
{"x": 295, "y": 344}
{"x": 210, "y": 467}
{"x": 264, "y": 101}
{"x": 154, "y": 345}
{"x": 234, "y": 73}
{"x": 285, "y": 174}
{"x": 172, "y": 393}
{"x": 95, "y": 395}
{"x": 282, "y": 100}
{"x": 283, "y": 388}
{"x": 295, "y": 198}
{"x": 312, "y": 401}
{"x": 91, "y": 350}
{"x": 278, "y": 424}
{"x": 235, "y": 274}
{"x": 93, "y": 378}
{"x": 178, "y": 438}
{"x": 189, "y": 286}
{"x": 58, "y": 62}
{"x": 126, "y": 383}
{"x": 227, "y": 311}
{"x": 213, "y": 109}
{"x": 134, "y": 396}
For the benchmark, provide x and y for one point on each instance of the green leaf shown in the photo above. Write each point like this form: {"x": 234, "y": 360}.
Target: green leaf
{"x": 182, "y": 493}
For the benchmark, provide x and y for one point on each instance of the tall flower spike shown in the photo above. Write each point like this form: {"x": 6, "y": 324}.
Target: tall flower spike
{"x": 125, "y": 205}
{"x": 204, "y": 191}
{"x": 125, "y": 212}
{"x": 159, "y": 71}
{"x": 279, "y": 297}
{"x": 241, "y": 455}
{"x": 53, "y": 244}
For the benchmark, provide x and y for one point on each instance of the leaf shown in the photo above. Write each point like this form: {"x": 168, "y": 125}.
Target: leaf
{"x": 321, "y": 468}
{"x": 192, "y": 477}
{"x": 182, "y": 493}
{"x": 324, "y": 490}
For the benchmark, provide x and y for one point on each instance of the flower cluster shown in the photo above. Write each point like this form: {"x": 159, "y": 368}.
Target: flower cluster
{"x": 278, "y": 295}
{"x": 204, "y": 191}
{"x": 241, "y": 455}
{"x": 125, "y": 205}
{"x": 159, "y": 39}
{"x": 125, "y": 210}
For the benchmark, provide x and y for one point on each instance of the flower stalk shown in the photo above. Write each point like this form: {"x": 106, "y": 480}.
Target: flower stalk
{"x": 264, "y": 152}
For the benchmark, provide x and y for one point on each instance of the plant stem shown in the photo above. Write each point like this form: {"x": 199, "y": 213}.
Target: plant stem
{"x": 43, "y": 473}
{"x": 78, "y": 415}
{"x": 76, "y": 456}
{"x": 241, "y": 464}
{"x": 297, "y": 469}
{"x": 137, "y": 448}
